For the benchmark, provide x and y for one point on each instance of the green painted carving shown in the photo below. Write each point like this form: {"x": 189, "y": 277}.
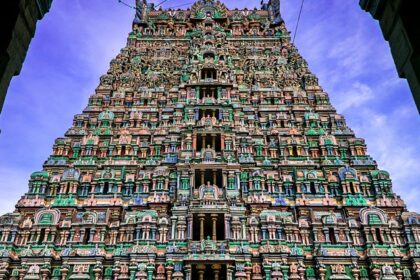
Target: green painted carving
{"x": 56, "y": 272}
{"x": 108, "y": 271}
{"x": 15, "y": 272}
{"x": 185, "y": 77}
{"x": 46, "y": 219}
{"x": 310, "y": 272}
{"x": 218, "y": 14}
{"x": 199, "y": 14}
{"x": 374, "y": 219}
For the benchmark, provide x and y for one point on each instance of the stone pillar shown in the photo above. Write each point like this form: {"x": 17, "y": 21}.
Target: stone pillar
{"x": 213, "y": 141}
{"x": 243, "y": 223}
{"x": 356, "y": 273}
{"x": 64, "y": 272}
{"x": 92, "y": 232}
{"x": 248, "y": 273}
{"x": 238, "y": 180}
{"x": 178, "y": 180}
{"x": 399, "y": 273}
{"x": 222, "y": 142}
{"x": 216, "y": 270}
{"x": 214, "y": 220}
{"x": 372, "y": 231}
{"x": 201, "y": 269}
{"x": 224, "y": 179}
{"x": 169, "y": 270}
{"x": 376, "y": 273}
{"x": 227, "y": 227}
{"x": 267, "y": 271}
{"x": 187, "y": 269}
{"x": 45, "y": 272}
{"x": 47, "y": 233}
{"x": 322, "y": 271}
{"x": 301, "y": 272}
{"x": 192, "y": 182}
{"x": 229, "y": 272}
{"x": 201, "y": 217}
{"x": 203, "y": 141}
{"x": 150, "y": 273}
{"x": 173, "y": 227}
{"x": 202, "y": 177}
{"x": 327, "y": 235}
{"x": 190, "y": 227}
{"x": 98, "y": 273}
{"x": 194, "y": 142}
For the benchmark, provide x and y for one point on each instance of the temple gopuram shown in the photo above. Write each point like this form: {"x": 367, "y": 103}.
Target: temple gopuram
{"x": 210, "y": 151}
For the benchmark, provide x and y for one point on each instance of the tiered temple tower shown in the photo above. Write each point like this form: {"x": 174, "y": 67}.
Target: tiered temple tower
{"x": 209, "y": 151}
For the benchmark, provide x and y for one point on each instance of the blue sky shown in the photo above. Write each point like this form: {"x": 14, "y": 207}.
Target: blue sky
{"x": 76, "y": 41}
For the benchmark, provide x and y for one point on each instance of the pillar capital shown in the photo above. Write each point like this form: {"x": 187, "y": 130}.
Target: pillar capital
{"x": 201, "y": 216}
{"x": 201, "y": 266}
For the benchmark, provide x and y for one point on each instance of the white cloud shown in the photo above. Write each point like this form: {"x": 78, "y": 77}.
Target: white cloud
{"x": 13, "y": 184}
{"x": 391, "y": 147}
{"x": 356, "y": 95}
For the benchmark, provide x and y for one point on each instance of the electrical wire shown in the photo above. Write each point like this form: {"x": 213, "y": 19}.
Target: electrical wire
{"x": 127, "y": 5}
{"x": 173, "y": 7}
{"x": 160, "y": 4}
{"x": 182, "y": 5}
{"x": 297, "y": 24}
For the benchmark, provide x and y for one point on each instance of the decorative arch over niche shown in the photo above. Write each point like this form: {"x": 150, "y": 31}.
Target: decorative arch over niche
{"x": 47, "y": 217}
{"x": 367, "y": 213}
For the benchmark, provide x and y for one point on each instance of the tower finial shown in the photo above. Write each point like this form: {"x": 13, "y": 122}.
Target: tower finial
{"x": 275, "y": 14}
{"x": 141, "y": 11}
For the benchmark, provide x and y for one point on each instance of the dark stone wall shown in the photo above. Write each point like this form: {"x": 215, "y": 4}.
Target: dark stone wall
{"x": 18, "y": 20}
{"x": 400, "y": 24}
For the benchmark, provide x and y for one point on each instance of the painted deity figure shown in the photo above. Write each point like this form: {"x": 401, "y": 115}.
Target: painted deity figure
{"x": 338, "y": 269}
{"x": 34, "y": 270}
{"x": 124, "y": 269}
{"x": 209, "y": 192}
{"x": 209, "y": 100}
{"x": 293, "y": 268}
{"x": 208, "y": 154}
{"x": 206, "y": 121}
{"x": 208, "y": 245}
{"x": 387, "y": 270}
